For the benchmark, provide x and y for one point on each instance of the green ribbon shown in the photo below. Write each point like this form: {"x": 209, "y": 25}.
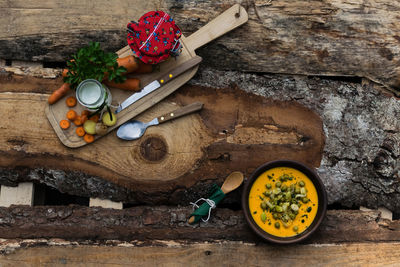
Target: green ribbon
{"x": 205, "y": 209}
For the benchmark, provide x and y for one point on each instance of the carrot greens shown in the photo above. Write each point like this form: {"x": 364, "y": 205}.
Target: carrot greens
{"x": 91, "y": 62}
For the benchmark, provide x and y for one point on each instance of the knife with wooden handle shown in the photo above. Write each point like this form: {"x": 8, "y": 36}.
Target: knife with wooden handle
{"x": 159, "y": 82}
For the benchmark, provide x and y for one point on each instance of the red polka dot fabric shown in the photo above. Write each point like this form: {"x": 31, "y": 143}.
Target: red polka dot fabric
{"x": 154, "y": 37}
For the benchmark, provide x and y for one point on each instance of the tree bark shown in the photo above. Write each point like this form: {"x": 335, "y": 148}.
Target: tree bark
{"x": 143, "y": 223}
{"x": 360, "y": 164}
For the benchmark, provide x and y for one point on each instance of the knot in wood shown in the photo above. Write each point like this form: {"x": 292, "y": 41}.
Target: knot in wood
{"x": 153, "y": 148}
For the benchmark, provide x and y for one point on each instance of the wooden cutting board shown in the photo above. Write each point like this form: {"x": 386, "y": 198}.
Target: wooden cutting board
{"x": 227, "y": 21}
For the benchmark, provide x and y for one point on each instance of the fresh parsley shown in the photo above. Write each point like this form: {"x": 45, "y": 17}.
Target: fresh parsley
{"x": 91, "y": 62}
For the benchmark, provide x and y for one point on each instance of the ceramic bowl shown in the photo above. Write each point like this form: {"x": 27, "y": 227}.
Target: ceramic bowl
{"x": 322, "y": 201}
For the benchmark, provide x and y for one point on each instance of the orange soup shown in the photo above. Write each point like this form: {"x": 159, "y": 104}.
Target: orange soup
{"x": 283, "y": 201}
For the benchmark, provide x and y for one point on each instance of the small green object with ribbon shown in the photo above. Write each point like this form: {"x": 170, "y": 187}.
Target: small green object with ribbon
{"x": 210, "y": 203}
{"x": 233, "y": 181}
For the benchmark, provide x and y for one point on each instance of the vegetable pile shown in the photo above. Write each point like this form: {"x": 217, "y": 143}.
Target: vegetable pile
{"x": 283, "y": 200}
{"x": 87, "y": 124}
{"x": 92, "y": 62}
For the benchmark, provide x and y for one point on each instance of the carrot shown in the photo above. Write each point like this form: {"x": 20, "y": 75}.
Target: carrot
{"x": 71, "y": 101}
{"x": 131, "y": 84}
{"x": 95, "y": 118}
{"x": 144, "y": 68}
{"x": 78, "y": 121}
{"x": 88, "y": 138}
{"x": 80, "y": 131}
{"x": 64, "y": 73}
{"x": 59, "y": 93}
{"x": 129, "y": 62}
{"x": 71, "y": 115}
{"x": 64, "y": 124}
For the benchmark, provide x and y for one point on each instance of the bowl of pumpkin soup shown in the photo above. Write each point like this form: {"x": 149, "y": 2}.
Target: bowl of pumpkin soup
{"x": 284, "y": 201}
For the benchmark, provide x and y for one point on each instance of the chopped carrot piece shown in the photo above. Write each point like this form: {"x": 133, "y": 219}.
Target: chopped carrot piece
{"x": 80, "y": 131}
{"x": 95, "y": 118}
{"x": 84, "y": 118}
{"x": 85, "y": 112}
{"x": 89, "y": 138}
{"x": 71, "y": 101}
{"x": 78, "y": 121}
{"x": 71, "y": 115}
{"x": 64, "y": 124}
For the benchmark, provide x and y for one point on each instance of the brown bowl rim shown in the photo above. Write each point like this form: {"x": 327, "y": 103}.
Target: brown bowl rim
{"x": 319, "y": 186}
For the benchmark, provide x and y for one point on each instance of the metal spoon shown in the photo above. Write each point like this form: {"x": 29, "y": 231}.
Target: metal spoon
{"x": 134, "y": 129}
{"x": 233, "y": 181}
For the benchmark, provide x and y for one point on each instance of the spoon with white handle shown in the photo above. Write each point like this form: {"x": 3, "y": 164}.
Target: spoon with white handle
{"x": 132, "y": 130}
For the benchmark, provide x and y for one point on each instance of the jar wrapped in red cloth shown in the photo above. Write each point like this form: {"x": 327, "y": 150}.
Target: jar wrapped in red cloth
{"x": 154, "y": 38}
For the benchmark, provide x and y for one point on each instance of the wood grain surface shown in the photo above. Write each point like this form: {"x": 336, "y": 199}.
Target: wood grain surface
{"x": 234, "y": 131}
{"x": 215, "y": 254}
{"x": 333, "y": 38}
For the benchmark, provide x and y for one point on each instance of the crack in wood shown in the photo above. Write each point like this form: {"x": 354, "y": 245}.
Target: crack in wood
{"x": 17, "y": 142}
{"x": 266, "y": 135}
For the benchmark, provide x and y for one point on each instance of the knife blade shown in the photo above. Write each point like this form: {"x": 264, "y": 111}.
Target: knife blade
{"x": 154, "y": 85}
{"x": 136, "y": 96}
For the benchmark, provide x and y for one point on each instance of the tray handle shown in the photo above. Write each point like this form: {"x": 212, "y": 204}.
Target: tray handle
{"x": 227, "y": 21}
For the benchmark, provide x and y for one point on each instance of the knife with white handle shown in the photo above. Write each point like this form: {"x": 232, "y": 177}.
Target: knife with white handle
{"x": 159, "y": 82}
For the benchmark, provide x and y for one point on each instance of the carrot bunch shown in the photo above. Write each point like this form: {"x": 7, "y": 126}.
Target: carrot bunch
{"x": 114, "y": 76}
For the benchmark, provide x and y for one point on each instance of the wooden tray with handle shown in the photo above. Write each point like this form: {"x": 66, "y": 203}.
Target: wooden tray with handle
{"x": 227, "y": 21}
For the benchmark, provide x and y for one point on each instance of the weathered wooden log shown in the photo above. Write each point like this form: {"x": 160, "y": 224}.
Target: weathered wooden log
{"x": 170, "y": 223}
{"x": 172, "y": 253}
{"x": 339, "y": 38}
{"x": 360, "y": 163}
{"x": 234, "y": 131}
{"x": 361, "y": 158}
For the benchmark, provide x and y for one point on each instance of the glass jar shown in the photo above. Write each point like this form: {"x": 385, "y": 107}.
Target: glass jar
{"x": 93, "y": 95}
